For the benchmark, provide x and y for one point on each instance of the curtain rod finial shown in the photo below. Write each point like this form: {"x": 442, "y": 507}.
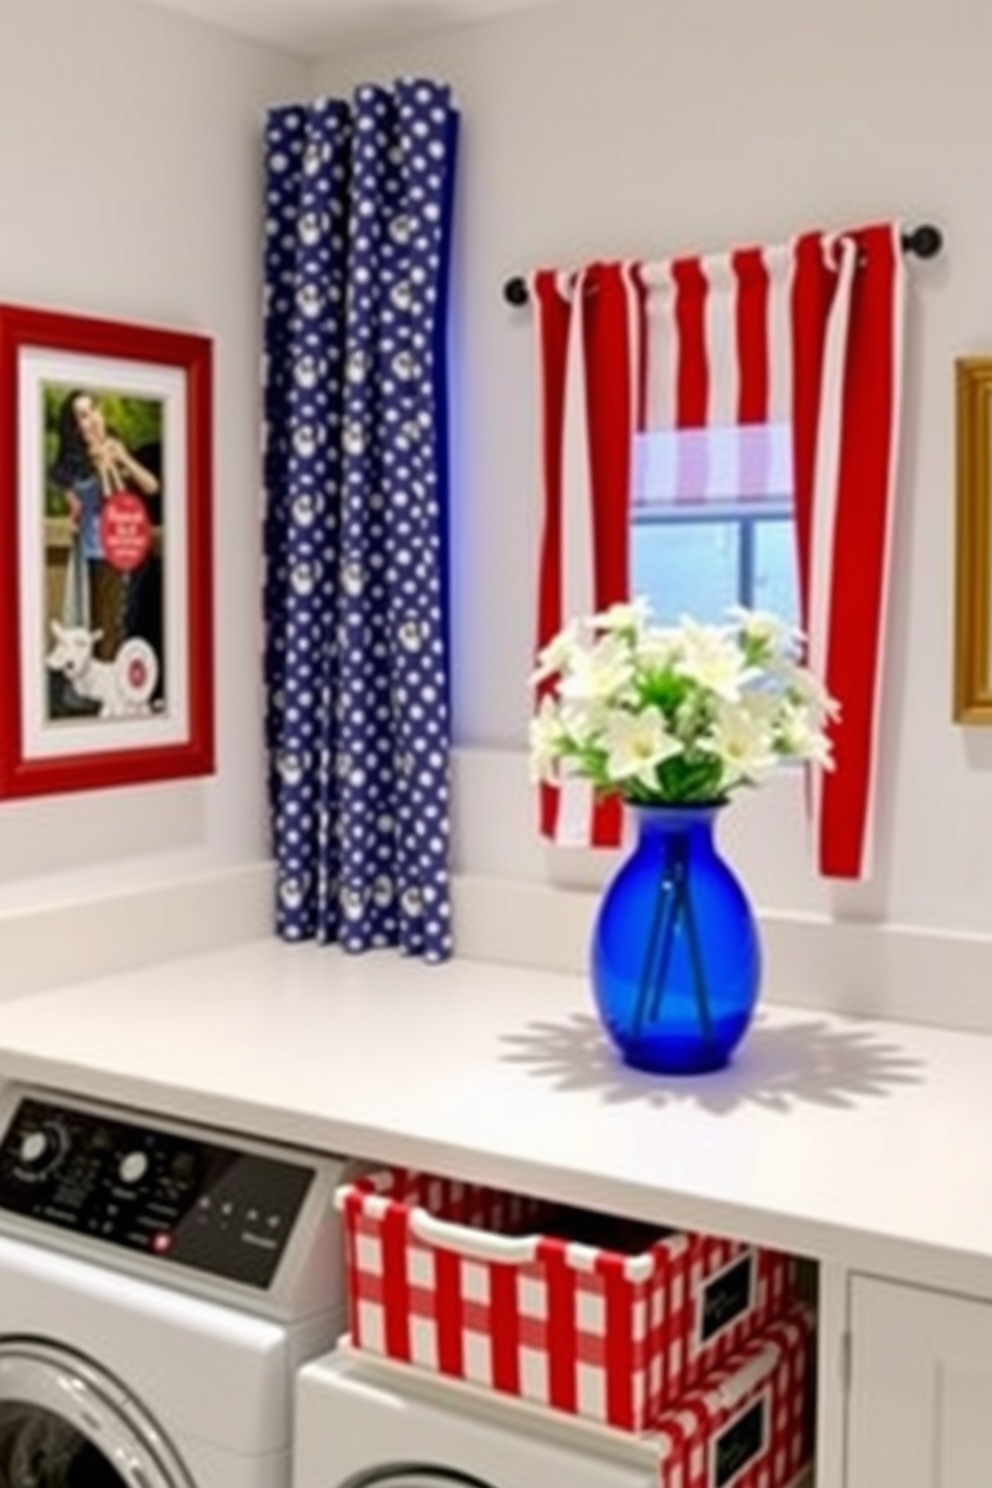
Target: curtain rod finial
{"x": 925, "y": 241}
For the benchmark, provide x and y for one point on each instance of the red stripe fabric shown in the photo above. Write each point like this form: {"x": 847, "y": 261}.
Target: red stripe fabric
{"x": 610, "y": 397}
{"x": 504, "y": 1328}
{"x": 353, "y": 1207}
{"x": 607, "y": 822}
{"x": 553, "y": 315}
{"x": 812, "y": 288}
{"x": 859, "y": 539}
{"x": 640, "y": 296}
{"x": 752, "y": 335}
{"x": 396, "y": 1292}
{"x": 449, "y": 1320}
{"x": 847, "y": 522}
{"x": 861, "y": 543}
{"x": 612, "y": 392}
{"x": 561, "y": 1324}
{"x": 618, "y": 1301}
{"x": 692, "y": 390}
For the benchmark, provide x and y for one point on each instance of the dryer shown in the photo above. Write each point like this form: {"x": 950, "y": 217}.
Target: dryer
{"x": 359, "y": 1425}
{"x": 160, "y": 1286}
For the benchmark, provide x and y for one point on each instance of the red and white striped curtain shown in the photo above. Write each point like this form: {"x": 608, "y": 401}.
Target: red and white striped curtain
{"x": 809, "y": 335}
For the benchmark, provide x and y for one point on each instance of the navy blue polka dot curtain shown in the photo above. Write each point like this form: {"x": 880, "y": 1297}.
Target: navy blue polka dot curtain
{"x": 358, "y": 223}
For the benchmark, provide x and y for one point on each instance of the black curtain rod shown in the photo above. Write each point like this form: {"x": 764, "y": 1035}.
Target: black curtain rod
{"x": 924, "y": 241}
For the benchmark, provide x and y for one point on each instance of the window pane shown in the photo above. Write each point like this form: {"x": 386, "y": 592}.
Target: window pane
{"x": 712, "y": 521}
{"x": 776, "y": 585}
{"x": 685, "y": 568}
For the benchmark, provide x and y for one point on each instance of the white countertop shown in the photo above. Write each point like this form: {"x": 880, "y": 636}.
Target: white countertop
{"x": 860, "y": 1142}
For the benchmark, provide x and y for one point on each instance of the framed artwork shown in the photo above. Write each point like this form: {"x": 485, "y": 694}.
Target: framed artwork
{"x": 973, "y": 560}
{"x": 106, "y": 646}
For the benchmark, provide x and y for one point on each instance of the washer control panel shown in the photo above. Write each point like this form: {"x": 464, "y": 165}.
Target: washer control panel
{"x": 176, "y": 1197}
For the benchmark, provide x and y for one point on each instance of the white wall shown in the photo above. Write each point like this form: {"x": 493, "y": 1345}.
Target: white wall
{"x": 646, "y": 127}
{"x": 130, "y": 188}
{"x": 130, "y": 180}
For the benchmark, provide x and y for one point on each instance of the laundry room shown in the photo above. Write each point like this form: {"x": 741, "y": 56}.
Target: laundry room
{"x": 230, "y": 1085}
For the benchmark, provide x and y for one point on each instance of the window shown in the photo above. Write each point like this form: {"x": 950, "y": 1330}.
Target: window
{"x": 712, "y": 521}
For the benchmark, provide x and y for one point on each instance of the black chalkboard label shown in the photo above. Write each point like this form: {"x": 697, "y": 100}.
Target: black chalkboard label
{"x": 739, "y": 1443}
{"x": 726, "y": 1297}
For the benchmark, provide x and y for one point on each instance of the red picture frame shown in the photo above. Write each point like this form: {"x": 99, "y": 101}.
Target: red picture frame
{"x": 106, "y": 558}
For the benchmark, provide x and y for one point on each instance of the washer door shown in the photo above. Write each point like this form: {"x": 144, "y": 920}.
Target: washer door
{"x": 65, "y": 1424}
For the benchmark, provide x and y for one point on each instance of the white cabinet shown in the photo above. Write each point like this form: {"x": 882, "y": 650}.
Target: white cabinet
{"x": 920, "y": 1404}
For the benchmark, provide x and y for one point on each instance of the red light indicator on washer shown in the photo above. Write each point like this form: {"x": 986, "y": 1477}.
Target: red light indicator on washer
{"x": 161, "y": 1242}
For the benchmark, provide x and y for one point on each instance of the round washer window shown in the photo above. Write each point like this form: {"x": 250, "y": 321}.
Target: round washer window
{"x": 38, "y": 1448}
{"x": 65, "y": 1424}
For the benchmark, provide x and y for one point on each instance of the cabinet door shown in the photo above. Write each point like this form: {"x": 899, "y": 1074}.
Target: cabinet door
{"x": 921, "y": 1389}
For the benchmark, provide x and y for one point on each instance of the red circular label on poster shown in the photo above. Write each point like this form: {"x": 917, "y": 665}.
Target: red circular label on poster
{"x": 136, "y": 666}
{"x": 125, "y": 531}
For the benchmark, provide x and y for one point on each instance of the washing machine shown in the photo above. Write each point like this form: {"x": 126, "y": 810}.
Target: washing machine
{"x": 361, "y": 1425}
{"x": 160, "y": 1286}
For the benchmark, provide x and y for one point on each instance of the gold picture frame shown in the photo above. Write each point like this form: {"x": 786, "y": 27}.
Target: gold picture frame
{"x": 973, "y": 559}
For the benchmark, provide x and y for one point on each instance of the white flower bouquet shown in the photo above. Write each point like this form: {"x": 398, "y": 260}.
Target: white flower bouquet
{"x": 665, "y": 715}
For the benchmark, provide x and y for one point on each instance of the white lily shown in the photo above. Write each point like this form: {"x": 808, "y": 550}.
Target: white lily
{"x": 800, "y": 739}
{"x": 711, "y": 658}
{"x": 659, "y": 648}
{"x": 584, "y": 720}
{"x": 636, "y": 744}
{"x": 628, "y": 618}
{"x": 741, "y": 737}
{"x": 546, "y": 739}
{"x": 557, "y": 654}
{"x": 619, "y": 696}
{"x": 809, "y": 692}
{"x": 598, "y": 672}
{"x": 765, "y": 632}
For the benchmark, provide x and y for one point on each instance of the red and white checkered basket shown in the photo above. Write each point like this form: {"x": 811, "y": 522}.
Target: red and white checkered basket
{"x": 747, "y": 1425}
{"x": 460, "y": 1280}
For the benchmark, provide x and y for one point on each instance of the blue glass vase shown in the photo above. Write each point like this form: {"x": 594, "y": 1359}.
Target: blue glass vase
{"x": 676, "y": 959}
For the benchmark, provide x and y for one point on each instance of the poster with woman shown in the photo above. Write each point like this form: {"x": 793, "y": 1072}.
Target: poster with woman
{"x": 105, "y": 657}
{"x": 104, "y": 544}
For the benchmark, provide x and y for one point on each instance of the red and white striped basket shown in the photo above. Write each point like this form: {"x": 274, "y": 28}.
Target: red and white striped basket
{"x": 470, "y": 1283}
{"x": 747, "y": 1425}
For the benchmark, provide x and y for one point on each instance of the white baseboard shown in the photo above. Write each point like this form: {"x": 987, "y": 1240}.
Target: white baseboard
{"x": 865, "y": 970}
{"x": 79, "y": 939}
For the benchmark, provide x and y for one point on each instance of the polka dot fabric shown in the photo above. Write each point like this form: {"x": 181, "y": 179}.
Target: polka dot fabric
{"x": 358, "y": 212}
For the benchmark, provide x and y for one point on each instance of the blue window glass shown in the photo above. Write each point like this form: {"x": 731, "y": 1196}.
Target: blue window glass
{"x": 712, "y": 522}
{"x": 776, "y": 580}
{"x": 686, "y": 567}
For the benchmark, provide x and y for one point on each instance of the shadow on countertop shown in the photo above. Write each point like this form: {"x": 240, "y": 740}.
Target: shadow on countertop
{"x": 776, "y": 1069}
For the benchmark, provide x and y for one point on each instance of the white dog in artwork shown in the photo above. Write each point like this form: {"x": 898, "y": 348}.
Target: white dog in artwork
{"x": 122, "y": 687}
